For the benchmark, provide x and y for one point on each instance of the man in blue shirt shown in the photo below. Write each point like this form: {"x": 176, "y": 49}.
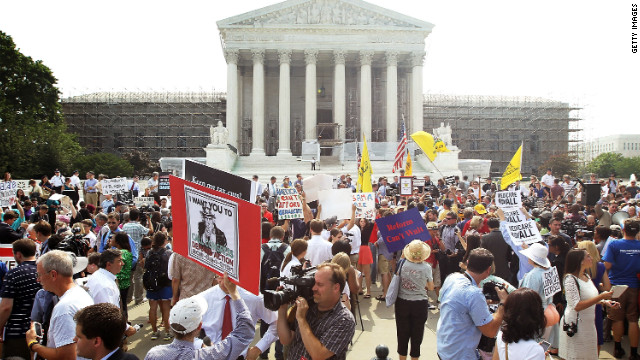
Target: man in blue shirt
{"x": 622, "y": 260}
{"x": 464, "y": 315}
{"x": 90, "y": 189}
{"x": 113, "y": 224}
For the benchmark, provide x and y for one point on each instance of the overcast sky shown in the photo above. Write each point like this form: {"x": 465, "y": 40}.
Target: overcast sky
{"x": 574, "y": 51}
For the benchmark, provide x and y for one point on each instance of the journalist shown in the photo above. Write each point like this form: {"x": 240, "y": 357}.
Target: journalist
{"x": 324, "y": 328}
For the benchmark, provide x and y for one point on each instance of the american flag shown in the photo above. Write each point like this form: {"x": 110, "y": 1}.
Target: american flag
{"x": 402, "y": 149}
{"x": 358, "y": 155}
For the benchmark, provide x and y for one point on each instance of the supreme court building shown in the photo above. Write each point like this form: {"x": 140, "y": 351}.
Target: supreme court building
{"x": 326, "y": 70}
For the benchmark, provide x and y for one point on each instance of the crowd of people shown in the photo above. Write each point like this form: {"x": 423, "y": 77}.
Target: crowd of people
{"x": 81, "y": 263}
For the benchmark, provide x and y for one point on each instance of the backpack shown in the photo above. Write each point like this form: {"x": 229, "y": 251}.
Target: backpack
{"x": 155, "y": 276}
{"x": 270, "y": 265}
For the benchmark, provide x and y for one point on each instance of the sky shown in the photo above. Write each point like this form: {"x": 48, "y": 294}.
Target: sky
{"x": 579, "y": 52}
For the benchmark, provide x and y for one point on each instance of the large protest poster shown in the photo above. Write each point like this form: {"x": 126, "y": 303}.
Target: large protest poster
{"x": 365, "y": 205}
{"x": 400, "y": 229}
{"x": 219, "y": 180}
{"x": 8, "y": 191}
{"x": 315, "y": 184}
{"x": 508, "y": 199}
{"x": 207, "y": 230}
{"x": 143, "y": 201}
{"x": 521, "y": 229}
{"x": 114, "y": 186}
{"x": 163, "y": 183}
{"x": 551, "y": 282}
{"x": 289, "y": 204}
{"x": 336, "y": 202}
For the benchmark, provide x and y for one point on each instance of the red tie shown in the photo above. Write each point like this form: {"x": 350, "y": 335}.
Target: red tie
{"x": 227, "y": 326}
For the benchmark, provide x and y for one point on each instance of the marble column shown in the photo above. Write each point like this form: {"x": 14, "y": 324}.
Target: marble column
{"x": 339, "y": 91}
{"x": 284, "y": 104}
{"x": 310, "y": 95}
{"x": 365, "y": 93}
{"x": 231, "y": 55}
{"x": 257, "y": 110}
{"x": 417, "y": 98}
{"x": 392, "y": 96}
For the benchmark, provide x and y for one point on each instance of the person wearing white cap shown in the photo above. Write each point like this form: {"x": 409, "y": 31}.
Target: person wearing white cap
{"x": 186, "y": 321}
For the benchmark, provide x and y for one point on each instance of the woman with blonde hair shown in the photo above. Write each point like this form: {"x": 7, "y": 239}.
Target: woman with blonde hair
{"x": 343, "y": 260}
{"x": 474, "y": 225}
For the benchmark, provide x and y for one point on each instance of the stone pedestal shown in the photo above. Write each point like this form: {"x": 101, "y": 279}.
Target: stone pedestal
{"x": 445, "y": 162}
{"x": 220, "y": 157}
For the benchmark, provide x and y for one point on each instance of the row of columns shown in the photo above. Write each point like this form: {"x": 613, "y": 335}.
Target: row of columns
{"x": 311, "y": 55}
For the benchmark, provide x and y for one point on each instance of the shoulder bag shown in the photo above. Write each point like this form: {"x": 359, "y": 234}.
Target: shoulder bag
{"x": 394, "y": 286}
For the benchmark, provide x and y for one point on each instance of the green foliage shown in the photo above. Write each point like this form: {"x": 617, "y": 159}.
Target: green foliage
{"x": 33, "y": 136}
{"x": 605, "y": 164}
{"x": 104, "y": 163}
{"x": 560, "y": 164}
{"x": 142, "y": 164}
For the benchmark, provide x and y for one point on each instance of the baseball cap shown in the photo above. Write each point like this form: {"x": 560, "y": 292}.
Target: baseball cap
{"x": 479, "y": 208}
{"x": 186, "y": 315}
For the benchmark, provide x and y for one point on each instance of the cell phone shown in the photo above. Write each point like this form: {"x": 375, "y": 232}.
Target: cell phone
{"x": 545, "y": 345}
{"x": 38, "y": 327}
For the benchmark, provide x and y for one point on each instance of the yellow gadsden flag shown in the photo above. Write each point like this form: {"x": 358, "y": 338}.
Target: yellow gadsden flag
{"x": 441, "y": 147}
{"x": 408, "y": 167}
{"x": 364, "y": 172}
{"x": 426, "y": 143}
{"x": 513, "y": 172}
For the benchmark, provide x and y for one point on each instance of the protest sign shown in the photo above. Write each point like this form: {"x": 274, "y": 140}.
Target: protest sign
{"x": 315, "y": 184}
{"x": 143, "y": 201}
{"x": 365, "y": 205}
{"x": 114, "y": 186}
{"x": 418, "y": 183}
{"x": 206, "y": 229}
{"x": 289, "y": 204}
{"x": 400, "y": 229}
{"x": 218, "y": 180}
{"x": 163, "y": 183}
{"x": 406, "y": 187}
{"x": 508, "y": 199}
{"x": 524, "y": 232}
{"x": 6, "y": 256}
{"x": 336, "y": 202}
{"x": 8, "y": 191}
{"x": 551, "y": 282}
{"x": 450, "y": 180}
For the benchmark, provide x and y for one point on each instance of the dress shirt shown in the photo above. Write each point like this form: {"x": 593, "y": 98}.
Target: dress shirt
{"x": 57, "y": 180}
{"x": 103, "y": 288}
{"x": 212, "y": 319}
{"x": 90, "y": 182}
{"x": 318, "y": 250}
{"x": 547, "y": 180}
{"x": 104, "y": 239}
{"x": 75, "y": 182}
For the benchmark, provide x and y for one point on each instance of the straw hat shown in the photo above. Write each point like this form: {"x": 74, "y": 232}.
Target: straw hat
{"x": 538, "y": 254}
{"x": 416, "y": 251}
{"x": 432, "y": 225}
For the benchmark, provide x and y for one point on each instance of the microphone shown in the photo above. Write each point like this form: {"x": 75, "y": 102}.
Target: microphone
{"x": 273, "y": 281}
{"x": 579, "y": 181}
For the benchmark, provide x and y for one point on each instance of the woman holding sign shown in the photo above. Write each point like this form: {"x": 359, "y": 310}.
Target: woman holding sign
{"x": 580, "y": 341}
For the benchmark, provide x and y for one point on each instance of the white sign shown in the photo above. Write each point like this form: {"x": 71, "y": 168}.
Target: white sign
{"x": 142, "y": 201}
{"x": 524, "y": 232}
{"x": 289, "y": 204}
{"x": 8, "y": 191}
{"x": 114, "y": 186}
{"x": 366, "y": 205}
{"x": 336, "y": 202}
{"x": 508, "y": 199}
{"x": 315, "y": 184}
{"x": 551, "y": 282}
{"x": 405, "y": 185}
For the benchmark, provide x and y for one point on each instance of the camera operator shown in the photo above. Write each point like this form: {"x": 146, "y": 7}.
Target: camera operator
{"x": 464, "y": 314}
{"x": 325, "y": 327}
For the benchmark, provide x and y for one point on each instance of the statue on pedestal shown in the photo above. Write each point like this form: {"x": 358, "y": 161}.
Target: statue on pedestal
{"x": 219, "y": 134}
{"x": 444, "y": 133}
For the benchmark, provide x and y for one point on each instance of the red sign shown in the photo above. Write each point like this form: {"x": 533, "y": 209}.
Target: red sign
{"x": 218, "y": 231}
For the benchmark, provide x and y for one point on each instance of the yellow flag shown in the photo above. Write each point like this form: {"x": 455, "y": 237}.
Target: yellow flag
{"x": 513, "y": 171}
{"x": 441, "y": 147}
{"x": 426, "y": 143}
{"x": 408, "y": 167}
{"x": 364, "y": 172}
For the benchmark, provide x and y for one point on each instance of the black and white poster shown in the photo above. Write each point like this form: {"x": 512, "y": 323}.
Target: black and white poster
{"x": 163, "y": 184}
{"x": 218, "y": 180}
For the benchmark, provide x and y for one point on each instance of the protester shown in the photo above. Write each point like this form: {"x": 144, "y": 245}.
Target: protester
{"x": 365, "y": 257}
{"x": 120, "y": 241}
{"x": 99, "y": 332}
{"x": 158, "y": 285}
{"x": 295, "y": 257}
{"x": 136, "y": 231}
{"x": 189, "y": 278}
{"x": 319, "y": 250}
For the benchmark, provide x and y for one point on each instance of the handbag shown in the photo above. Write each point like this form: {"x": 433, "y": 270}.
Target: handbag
{"x": 394, "y": 287}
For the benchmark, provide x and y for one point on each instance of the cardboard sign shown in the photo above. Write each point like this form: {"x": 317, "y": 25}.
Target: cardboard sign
{"x": 551, "y": 282}
{"x": 400, "y": 229}
{"x": 365, "y": 205}
{"x": 289, "y": 204}
{"x": 336, "y": 202}
{"x": 525, "y": 231}
{"x": 418, "y": 183}
{"x": 218, "y": 180}
{"x": 207, "y": 230}
{"x": 509, "y": 199}
{"x": 143, "y": 201}
{"x": 315, "y": 184}
{"x": 450, "y": 180}
{"x": 163, "y": 184}
{"x": 8, "y": 191}
{"x": 406, "y": 185}
{"x": 114, "y": 186}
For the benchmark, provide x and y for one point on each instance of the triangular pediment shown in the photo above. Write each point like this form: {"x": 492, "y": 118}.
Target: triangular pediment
{"x": 319, "y": 13}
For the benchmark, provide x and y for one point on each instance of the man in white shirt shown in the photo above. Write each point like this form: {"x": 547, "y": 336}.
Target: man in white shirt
{"x": 57, "y": 181}
{"x": 547, "y": 180}
{"x": 318, "y": 249}
{"x": 75, "y": 181}
{"x": 568, "y": 185}
{"x": 102, "y": 284}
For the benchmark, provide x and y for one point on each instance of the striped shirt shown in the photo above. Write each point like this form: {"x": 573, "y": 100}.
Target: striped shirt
{"x": 20, "y": 285}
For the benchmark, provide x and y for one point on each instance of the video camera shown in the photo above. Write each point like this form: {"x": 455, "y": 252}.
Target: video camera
{"x": 75, "y": 243}
{"x": 302, "y": 281}
{"x": 489, "y": 290}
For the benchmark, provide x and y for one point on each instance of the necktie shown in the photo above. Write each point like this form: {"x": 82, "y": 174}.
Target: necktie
{"x": 227, "y": 326}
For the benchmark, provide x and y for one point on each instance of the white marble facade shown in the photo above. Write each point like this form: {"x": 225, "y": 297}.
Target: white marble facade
{"x": 300, "y": 63}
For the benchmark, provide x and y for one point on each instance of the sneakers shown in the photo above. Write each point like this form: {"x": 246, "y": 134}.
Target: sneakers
{"x": 168, "y": 337}
{"x": 432, "y": 307}
{"x": 155, "y": 335}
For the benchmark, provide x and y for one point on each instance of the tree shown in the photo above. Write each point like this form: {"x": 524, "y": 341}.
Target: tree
{"x": 560, "y": 164}
{"x": 33, "y": 136}
{"x": 104, "y": 163}
{"x": 607, "y": 163}
{"x": 142, "y": 164}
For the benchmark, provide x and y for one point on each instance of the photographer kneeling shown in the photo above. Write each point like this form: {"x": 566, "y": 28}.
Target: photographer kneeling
{"x": 325, "y": 327}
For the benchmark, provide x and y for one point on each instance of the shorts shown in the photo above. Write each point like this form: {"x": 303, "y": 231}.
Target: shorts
{"x": 366, "y": 258}
{"x": 628, "y": 307}
{"x": 436, "y": 275}
{"x": 383, "y": 265}
{"x": 166, "y": 293}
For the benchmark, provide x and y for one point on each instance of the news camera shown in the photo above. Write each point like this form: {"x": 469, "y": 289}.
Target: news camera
{"x": 302, "y": 282}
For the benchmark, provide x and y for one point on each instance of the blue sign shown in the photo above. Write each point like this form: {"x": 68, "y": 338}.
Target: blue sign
{"x": 400, "y": 229}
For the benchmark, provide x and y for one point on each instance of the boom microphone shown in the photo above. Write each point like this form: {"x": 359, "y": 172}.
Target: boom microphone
{"x": 579, "y": 181}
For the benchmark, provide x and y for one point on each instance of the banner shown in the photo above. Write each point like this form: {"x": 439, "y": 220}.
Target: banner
{"x": 163, "y": 183}
{"x": 400, "y": 229}
{"x": 336, "y": 202}
{"x": 114, "y": 186}
{"x": 513, "y": 172}
{"x": 551, "y": 282}
{"x": 8, "y": 191}
{"x": 365, "y": 205}
{"x": 426, "y": 143}
{"x": 508, "y": 199}
{"x": 207, "y": 230}
{"x": 143, "y": 201}
{"x": 218, "y": 180}
{"x": 365, "y": 172}
{"x": 289, "y": 204}
{"x": 315, "y": 184}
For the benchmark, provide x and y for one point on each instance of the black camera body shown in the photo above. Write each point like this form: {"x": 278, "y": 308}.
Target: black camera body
{"x": 571, "y": 328}
{"x": 489, "y": 290}
{"x": 302, "y": 281}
